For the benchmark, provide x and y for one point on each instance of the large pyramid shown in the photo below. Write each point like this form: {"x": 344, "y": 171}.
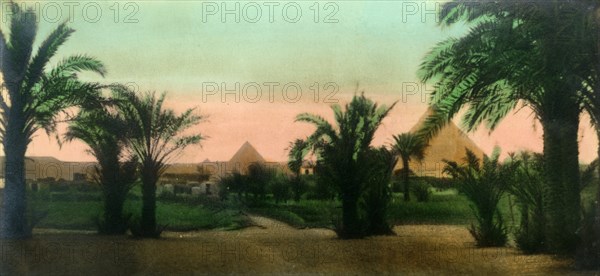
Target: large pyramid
{"x": 449, "y": 144}
{"x": 244, "y": 157}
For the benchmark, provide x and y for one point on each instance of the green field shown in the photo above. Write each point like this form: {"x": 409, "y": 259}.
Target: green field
{"x": 80, "y": 210}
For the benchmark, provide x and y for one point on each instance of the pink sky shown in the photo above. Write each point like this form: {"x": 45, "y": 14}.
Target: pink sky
{"x": 270, "y": 127}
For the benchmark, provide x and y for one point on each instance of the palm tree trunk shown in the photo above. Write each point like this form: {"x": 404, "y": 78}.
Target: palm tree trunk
{"x": 405, "y": 175}
{"x": 597, "y": 213}
{"x": 351, "y": 227}
{"x": 149, "y": 203}
{"x": 14, "y": 220}
{"x": 113, "y": 199}
{"x": 561, "y": 193}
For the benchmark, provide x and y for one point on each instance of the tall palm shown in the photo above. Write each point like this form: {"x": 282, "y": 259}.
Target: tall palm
{"x": 295, "y": 161}
{"x": 344, "y": 150}
{"x": 590, "y": 76}
{"x": 35, "y": 99}
{"x": 516, "y": 55}
{"x": 105, "y": 133}
{"x": 409, "y": 146}
{"x": 157, "y": 136}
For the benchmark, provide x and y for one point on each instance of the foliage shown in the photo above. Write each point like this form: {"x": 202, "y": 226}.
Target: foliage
{"x": 105, "y": 133}
{"x": 409, "y": 146}
{"x": 378, "y": 168}
{"x": 521, "y": 54}
{"x": 422, "y": 191}
{"x": 527, "y": 187}
{"x": 588, "y": 253}
{"x": 342, "y": 153}
{"x": 298, "y": 187}
{"x": 232, "y": 183}
{"x": 484, "y": 183}
{"x": 319, "y": 187}
{"x": 280, "y": 187}
{"x": 157, "y": 135}
{"x": 35, "y": 99}
{"x": 257, "y": 181}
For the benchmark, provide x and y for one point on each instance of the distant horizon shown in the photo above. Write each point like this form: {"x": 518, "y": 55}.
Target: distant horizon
{"x": 372, "y": 45}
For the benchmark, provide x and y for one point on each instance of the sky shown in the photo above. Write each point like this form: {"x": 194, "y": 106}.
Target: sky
{"x": 251, "y": 66}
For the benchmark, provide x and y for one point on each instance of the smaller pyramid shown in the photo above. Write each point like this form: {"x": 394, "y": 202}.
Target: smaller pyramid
{"x": 244, "y": 157}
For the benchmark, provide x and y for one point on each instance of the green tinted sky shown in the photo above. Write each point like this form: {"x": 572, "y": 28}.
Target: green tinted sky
{"x": 171, "y": 47}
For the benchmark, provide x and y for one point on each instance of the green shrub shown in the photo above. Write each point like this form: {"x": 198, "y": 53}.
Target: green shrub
{"x": 527, "y": 187}
{"x": 484, "y": 184}
{"x": 379, "y": 165}
{"x": 422, "y": 191}
{"x": 588, "y": 252}
{"x": 280, "y": 188}
{"x": 299, "y": 187}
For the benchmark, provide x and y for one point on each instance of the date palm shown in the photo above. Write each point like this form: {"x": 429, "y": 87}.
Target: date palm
{"x": 35, "y": 99}
{"x": 343, "y": 150}
{"x": 484, "y": 182}
{"x": 517, "y": 54}
{"x": 156, "y": 137}
{"x": 105, "y": 133}
{"x": 295, "y": 161}
{"x": 409, "y": 146}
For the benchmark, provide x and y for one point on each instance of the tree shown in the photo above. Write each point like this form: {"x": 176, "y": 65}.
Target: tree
{"x": 408, "y": 146}
{"x": 295, "y": 160}
{"x": 105, "y": 133}
{"x": 517, "y": 53}
{"x": 344, "y": 151}
{"x": 484, "y": 183}
{"x": 527, "y": 187}
{"x": 35, "y": 99}
{"x": 379, "y": 168}
{"x": 157, "y": 136}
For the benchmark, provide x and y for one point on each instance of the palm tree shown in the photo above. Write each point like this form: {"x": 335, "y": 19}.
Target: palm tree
{"x": 344, "y": 150}
{"x": 484, "y": 182}
{"x": 295, "y": 160}
{"x": 35, "y": 99}
{"x": 408, "y": 146}
{"x": 517, "y": 53}
{"x": 157, "y": 136}
{"x": 379, "y": 168}
{"x": 105, "y": 133}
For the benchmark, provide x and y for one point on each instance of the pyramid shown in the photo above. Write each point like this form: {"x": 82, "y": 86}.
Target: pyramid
{"x": 449, "y": 144}
{"x": 244, "y": 157}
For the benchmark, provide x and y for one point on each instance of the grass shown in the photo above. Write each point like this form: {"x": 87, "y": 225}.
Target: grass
{"x": 446, "y": 207}
{"x": 77, "y": 210}
{"x": 62, "y": 213}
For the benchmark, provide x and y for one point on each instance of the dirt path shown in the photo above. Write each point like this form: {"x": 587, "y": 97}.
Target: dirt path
{"x": 271, "y": 247}
{"x": 267, "y": 223}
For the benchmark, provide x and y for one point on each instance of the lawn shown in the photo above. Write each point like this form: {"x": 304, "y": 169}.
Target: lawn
{"x": 80, "y": 210}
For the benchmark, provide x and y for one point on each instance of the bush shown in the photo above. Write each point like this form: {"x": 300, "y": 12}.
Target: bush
{"x": 588, "y": 252}
{"x": 379, "y": 165}
{"x": 299, "y": 187}
{"x": 280, "y": 188}
{"x": 232, "y": 183}
{"x": 484, "y": 184}
{"x": 527, "y": 187}
{"x": 320, "y": 188}
{"x": 422, "y": 191}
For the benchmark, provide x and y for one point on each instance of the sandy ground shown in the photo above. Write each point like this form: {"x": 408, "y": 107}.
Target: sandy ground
{"x": 270, "y": 247}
